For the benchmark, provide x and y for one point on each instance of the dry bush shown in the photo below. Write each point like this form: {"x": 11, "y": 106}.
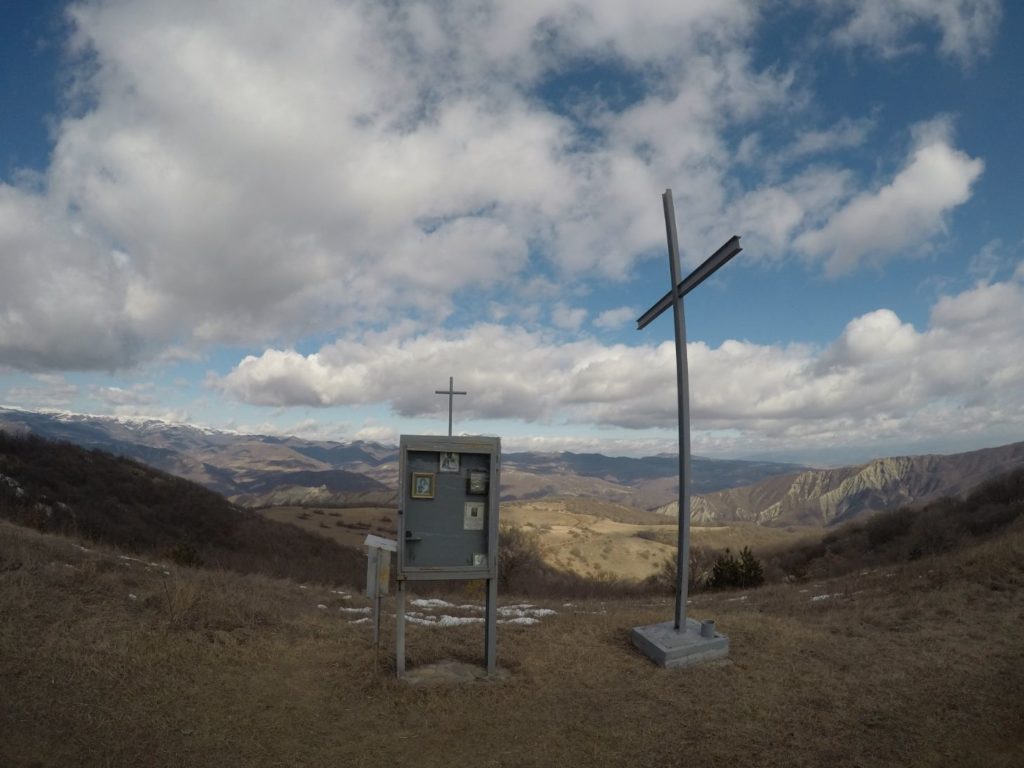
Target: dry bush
{"x": 702, "y": 563}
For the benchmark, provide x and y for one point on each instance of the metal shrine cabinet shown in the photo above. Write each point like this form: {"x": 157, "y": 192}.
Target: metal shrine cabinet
{"x": 448, "y": 521}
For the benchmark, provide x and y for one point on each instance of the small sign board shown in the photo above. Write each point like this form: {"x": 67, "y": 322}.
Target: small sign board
{"x": 378, "y": 564}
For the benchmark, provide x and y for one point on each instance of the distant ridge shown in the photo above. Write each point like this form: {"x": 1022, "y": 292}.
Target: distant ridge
{"x": 829, "y": 496}
{"x": 263, "y": 470}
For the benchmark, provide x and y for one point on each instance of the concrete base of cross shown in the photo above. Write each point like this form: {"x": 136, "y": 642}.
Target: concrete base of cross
{"x": 668, "y": 647}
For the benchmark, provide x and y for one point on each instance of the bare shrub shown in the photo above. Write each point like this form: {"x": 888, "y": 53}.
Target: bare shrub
{"x": 702, "y": 561}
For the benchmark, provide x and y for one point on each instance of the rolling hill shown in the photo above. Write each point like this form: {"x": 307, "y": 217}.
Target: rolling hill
{"x": 63, "y": 488}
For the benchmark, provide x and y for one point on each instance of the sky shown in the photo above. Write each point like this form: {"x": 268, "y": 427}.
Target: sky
{"x": 304, "y": 217}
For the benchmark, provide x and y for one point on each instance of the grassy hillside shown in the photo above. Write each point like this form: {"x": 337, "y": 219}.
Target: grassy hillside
{"x": 907, "y": 533}
{"x": 113, "y": 662}
{"x": 59, "y": 487}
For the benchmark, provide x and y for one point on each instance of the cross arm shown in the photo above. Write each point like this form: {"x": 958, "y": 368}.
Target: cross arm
{"x": 714, "y": 262}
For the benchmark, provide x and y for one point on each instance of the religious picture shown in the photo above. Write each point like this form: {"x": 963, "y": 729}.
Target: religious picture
{"x": 422, "y": 485}
{"x": 477, "y": 482}
{"x": 449, "y": 461}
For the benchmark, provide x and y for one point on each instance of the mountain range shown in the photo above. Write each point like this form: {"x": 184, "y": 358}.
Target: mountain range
{"x": 264, "y": 470}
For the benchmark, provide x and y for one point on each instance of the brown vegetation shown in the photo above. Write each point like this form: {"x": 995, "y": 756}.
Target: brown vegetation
{"x": 905, "y": 534}
{"x": 61, "y": 488}
{"x": 111, "y": 664}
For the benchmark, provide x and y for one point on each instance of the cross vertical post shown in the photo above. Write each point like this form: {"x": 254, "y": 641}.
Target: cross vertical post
{"x": 683, "y": 403}
{"x": 451, "y": 397}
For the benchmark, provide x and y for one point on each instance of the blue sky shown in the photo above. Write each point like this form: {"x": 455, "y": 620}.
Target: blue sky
{"x": 303, "y": 219}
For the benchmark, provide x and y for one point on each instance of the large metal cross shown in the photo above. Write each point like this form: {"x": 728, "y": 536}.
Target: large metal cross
{"x": 451, "y": 397}
{"x": 674, "y": 299}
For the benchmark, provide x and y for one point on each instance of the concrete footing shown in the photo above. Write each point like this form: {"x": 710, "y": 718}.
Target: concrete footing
{"x": 668, "y": 647}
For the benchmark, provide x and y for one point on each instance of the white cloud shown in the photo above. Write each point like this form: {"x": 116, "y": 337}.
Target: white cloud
{"x": 139, "y": 395}
{"x": 965, "y": 27}
{"x": 881, "y": 380}
{"x": 846, "y": 133}
{"x": 64, "y": 300}
{"x": 568, "y": 318}
{"x": 46, "y": 390}
{"x": 260, "y": 174}
{"x": 902, "y": 214}
{"x": 242, "y": 176}
{"x": 612, "y": 319}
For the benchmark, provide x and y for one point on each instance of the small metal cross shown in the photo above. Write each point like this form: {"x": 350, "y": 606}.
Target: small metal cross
{"x": 451, "y": 396}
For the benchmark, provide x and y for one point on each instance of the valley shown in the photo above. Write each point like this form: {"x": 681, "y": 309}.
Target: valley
{"x": 263, "y": 471}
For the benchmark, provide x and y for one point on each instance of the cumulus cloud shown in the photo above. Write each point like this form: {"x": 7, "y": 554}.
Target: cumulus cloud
{"x": 612, "y": 319}
{"x": 879, "y": 380}
{"x": 65, "y": 300}
{"x": 568, "y": 318}
{"x": 260, "y": 174}
{"x": 846, "y": 133}
{"x": 965, "y": 27}
{"x": 901, "y": 214}
{"x": 139, "y": 395}
{"x": 236, "y": 176}
{"x": 44, "y": 390}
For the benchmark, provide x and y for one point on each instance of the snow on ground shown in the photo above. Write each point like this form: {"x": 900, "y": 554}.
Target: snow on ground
{"x": 818, "y": 598}
{"x": 435, "y": 612}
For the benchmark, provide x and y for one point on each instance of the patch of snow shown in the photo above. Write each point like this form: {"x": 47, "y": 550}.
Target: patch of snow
{"x": 735, "y": 599}
{"x": 321, "y": 606}
{"x": 428, "y": 620}
{"x": 132, "y": 597}
{"x": 80, "y": 548}
{"x": 519, "y": 613}
{"x": 303, "y": 586}
{"x": 354, "y": 610}
{"x": 521, "y": 620}
{"x": 816, "y": 598}
{"x": 360, "y": 621}
{"x": 432, "y": 603}
{"x": 454, "y": 621}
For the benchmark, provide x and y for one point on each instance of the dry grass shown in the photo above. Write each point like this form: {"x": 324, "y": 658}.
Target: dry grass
{"x": 921, "y": 664}
{"x": 599, "y": 539}
{"x": 348, "y": 526}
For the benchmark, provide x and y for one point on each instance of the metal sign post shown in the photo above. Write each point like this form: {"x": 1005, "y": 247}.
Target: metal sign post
{"x": 378, "y": 574}
{"x": 685, "y": 641}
